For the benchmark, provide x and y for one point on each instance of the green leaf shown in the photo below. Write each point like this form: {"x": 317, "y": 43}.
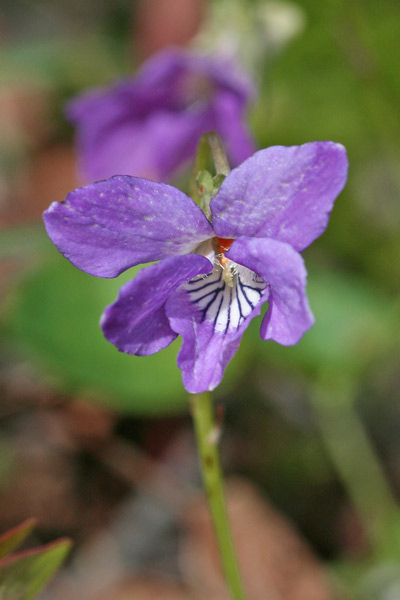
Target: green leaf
{"x": 55, "y": 316}
{"x": 23, "y": 575}
{"x": 14, "y": 537}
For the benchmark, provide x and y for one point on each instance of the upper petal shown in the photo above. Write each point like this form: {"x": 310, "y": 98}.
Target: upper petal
{"x": 289, "y": 315}
{"x": 112, "y": 225}
{"x": 285, "y": 193}
{"x": 136, "y": 322}
{"x": 211, "y": 316}
{"x": 130, "y": 127}
{"x": 172, "y": 138}
{"x": 155, "y": 86}
{"x": 149, "y": 124}
{"x": 154, "y": 147}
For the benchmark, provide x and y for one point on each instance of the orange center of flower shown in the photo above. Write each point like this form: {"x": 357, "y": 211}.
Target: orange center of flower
{"x": 223, "y": 246}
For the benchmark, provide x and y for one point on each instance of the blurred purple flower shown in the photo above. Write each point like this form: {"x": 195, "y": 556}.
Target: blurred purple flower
{"x": 149, "y": 125}
{"x": 212, "y": 279}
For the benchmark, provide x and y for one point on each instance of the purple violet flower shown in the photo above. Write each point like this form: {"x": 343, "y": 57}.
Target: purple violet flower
{"x": 212, "y": 279}
{"x": 149, "y": 125}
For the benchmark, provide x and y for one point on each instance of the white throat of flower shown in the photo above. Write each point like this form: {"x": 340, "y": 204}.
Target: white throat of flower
{"x": 227, "y": 295}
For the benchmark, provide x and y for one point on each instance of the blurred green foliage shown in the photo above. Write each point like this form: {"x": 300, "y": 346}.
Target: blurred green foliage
{"x": 56, "y": 315}
{"x": 340, "y": 80}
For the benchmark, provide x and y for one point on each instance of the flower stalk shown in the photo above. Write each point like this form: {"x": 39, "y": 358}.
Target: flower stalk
{"x": 207, "y": 434}
{"x": 203, "y": 188}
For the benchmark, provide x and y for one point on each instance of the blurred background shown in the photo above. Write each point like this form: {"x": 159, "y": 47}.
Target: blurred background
{"x": 98, "y": 445}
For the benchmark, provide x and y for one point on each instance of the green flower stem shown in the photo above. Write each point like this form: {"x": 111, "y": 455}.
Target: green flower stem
{"x": 207, "y": 443}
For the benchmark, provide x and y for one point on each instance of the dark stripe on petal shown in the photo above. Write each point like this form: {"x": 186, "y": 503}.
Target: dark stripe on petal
{"x": 226, "y": 306}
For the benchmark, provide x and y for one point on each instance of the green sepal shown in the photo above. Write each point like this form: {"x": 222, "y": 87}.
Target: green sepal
{"x": 205, "y": 183}
{"x": 217, "y": 182}
{"x": 207, "y": 187}
{"x": 204, "y": 186}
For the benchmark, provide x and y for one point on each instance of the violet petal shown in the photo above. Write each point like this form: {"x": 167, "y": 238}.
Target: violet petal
{"x": 211, "y": 316}
{"x": 289, "y": 315}
{"x": 112, "y": 225}
{"x": 284, "y": 193}
{"x": 154, "y": 147}
{"x": 149, "y": 125}
{"x": 136, "y": 323}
